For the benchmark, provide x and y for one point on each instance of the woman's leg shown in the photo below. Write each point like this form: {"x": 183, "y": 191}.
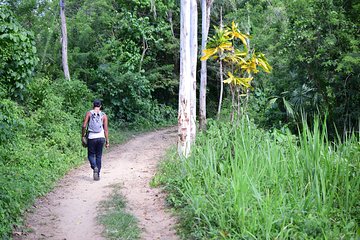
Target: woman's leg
{"x": 91, "y": 152}
{"x": 99, "y": 150}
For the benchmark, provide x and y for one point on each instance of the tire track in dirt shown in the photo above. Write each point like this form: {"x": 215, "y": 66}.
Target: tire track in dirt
{"x": 70, "y": 210}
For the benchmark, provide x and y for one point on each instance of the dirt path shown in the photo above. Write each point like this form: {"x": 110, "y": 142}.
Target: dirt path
{"x": 69, "y": 211}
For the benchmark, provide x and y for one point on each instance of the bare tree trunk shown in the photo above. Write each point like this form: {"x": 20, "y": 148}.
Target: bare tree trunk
{"x": 64, "y": 40}
{"x": 194, "y": 56}
{"x": 232, "y": 90}
{"x": 145, "y": 48}
{"x": 169, "y": 15}
{"x": 238, "y": 94}
{"x": 153, "y": 8}
{"x": 221, "y": 74}
{"x": 184, "y": 115}
{"x": 249, "y": 51}
{"x": 205, "y": 10}
{"x": 221, "y": 89}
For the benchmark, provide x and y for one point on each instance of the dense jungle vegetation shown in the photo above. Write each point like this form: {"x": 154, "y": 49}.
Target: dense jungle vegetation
{"x": 127, "y": 54}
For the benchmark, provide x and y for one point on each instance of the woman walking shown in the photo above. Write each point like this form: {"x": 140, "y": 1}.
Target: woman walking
{"x": 95, "y": 130}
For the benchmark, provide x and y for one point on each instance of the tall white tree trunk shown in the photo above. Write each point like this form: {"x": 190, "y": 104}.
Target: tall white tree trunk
{"x": 184, "y": 115}
{"x": 194, "y": 56}
{"x": 64, "y": 40}
{"x": 221, "y": 74}
{"x": 205, "y": 15}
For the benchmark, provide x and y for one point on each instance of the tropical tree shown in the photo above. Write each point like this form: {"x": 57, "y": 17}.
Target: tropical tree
{"x": 205, "y": 18}
{"x": 188, "y": 48}
{"x": 193, "y": 60}
{"x": 242, "y": 63}
{"x": 217, "y": 47}
{"x": 242, "y": 76}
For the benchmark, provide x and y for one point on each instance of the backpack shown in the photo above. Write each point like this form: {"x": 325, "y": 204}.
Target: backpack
{"x": 96, "y": 121}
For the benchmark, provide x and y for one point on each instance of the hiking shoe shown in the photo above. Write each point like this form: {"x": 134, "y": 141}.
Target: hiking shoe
{"x": 96, "y": 174}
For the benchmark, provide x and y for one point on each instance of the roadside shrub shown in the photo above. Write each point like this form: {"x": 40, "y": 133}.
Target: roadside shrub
{"x": 11, "y": 121}
{"x": 42, "y": 144}
{"x": 33, "y": 169}
{"x": 77, "y": 97}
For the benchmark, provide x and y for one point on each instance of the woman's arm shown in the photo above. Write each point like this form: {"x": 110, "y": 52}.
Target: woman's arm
{"x": 85, "y": 123}
{"x": 106, "y": 131}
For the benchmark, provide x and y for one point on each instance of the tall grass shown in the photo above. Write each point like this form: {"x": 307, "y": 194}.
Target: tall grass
{"x": 245, "y": 183}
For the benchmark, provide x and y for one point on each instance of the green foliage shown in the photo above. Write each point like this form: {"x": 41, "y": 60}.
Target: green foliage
{"x": 30, "y": 171}
{"x": 17, "y": 54}
{"x": 244, "y": 183}
{"x": 77, "y": 96}
{"x": 40, "y": 144}
{"x": 241, "y": 64}
{"x": 129, "y": 95}
{"x": 119, "y": 53}
{"x": 168, "y": 168}
{"x": 112, "y": 37}
{"x": 313, "y": 47}
{"x": 321, "y": 62}
{"x": 10, "y": 120}
{"x": 108, "y": 39}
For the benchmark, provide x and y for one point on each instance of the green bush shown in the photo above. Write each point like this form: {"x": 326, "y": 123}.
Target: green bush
{"x": 10, "y": 120}
{"x": 244, "y": 183}
{"x": 17, "y": 54}
{"x": 42, "y": 144}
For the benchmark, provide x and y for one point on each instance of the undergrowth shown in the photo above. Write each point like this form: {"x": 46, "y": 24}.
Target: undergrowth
{"x": 241, "y": 182}
{"x": 40, "y": 143}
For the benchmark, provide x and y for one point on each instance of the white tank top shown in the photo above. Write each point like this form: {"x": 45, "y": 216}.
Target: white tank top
{"x": 93, "y": 135}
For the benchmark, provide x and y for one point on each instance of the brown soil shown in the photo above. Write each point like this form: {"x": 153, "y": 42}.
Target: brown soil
{"x": 70, "y": 210}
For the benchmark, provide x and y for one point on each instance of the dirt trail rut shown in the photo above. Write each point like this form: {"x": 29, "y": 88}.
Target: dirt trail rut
{"x": 69, "y": 211}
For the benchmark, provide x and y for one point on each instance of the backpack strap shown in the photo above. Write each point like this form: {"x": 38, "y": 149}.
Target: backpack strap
{"x": 100, "y": 112}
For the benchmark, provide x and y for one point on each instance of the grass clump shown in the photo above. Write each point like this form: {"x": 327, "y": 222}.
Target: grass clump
{"x": 244, "y": 183}
{"x": 118, "y": 223}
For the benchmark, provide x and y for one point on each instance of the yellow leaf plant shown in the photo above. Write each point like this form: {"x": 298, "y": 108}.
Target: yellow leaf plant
{"x": 242, "y": 62}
